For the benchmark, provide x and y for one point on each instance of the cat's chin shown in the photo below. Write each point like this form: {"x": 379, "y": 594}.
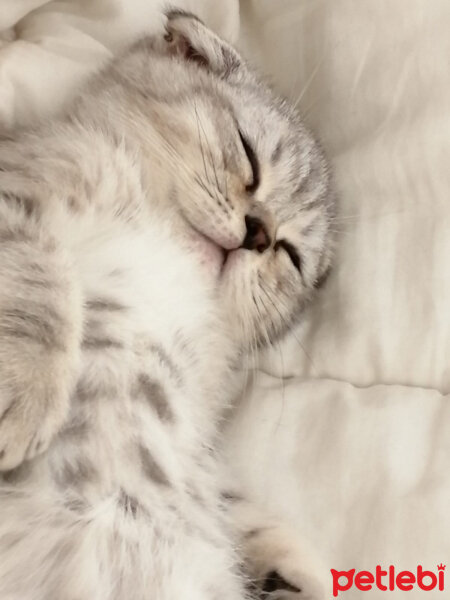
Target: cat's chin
{"x": 231, "y": 258}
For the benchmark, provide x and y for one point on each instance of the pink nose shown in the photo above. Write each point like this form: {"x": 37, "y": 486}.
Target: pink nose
{"x": 256, "y": 237}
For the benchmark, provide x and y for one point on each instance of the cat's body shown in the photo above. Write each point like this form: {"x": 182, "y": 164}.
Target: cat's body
{"x": 116, "y": 336}
{"x": 130, "y": 467}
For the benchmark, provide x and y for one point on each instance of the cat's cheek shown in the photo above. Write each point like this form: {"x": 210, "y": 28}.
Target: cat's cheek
{"x": 212, "y": 258}
{"x": 206, "y": 253}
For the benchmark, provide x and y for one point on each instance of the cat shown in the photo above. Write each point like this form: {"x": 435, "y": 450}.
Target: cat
{"x": 173, "y": 220}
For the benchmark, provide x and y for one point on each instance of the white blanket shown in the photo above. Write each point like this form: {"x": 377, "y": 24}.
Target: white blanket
{"x": 46, "y": 53}
{"x": 346, "y": 430}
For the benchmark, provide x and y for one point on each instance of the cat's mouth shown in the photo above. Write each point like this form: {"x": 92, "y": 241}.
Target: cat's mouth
{"x": 212, "y": 255}
{"x": 219, "y": 259}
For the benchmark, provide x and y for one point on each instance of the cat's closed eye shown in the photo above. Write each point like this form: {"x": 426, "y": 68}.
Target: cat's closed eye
{"x": 290, "y": 251}
{"x": 254, "y": 164}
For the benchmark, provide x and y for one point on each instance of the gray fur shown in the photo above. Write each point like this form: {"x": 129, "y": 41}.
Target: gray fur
{"x": 73, "y": 475}
{"x": 103, "y": 304}
{"x": 154, "y": 393}
{"x": 100, "y": 343}
{"x": 166, "y": 361}
{"x": 129, "y": 503}
{"x": 151, "y": 468}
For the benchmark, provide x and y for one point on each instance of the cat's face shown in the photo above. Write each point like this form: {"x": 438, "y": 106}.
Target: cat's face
{"x": 249, "y": 180}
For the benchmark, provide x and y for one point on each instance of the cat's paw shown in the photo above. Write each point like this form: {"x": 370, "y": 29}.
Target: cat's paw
{"x": 280, "y": 567}
{"x": 25, "y": 431}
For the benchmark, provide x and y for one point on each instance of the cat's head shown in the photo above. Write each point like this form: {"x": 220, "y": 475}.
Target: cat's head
{"x": 248, "y": 178}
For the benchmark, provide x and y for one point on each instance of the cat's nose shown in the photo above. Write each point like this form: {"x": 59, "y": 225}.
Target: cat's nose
{"x": 257, "y": 237}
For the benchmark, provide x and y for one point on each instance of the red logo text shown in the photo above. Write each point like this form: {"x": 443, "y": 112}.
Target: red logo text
{"x": 388, "y": 580}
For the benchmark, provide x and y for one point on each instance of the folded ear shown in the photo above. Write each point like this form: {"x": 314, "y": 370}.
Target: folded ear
{"x": 189, "y": 38}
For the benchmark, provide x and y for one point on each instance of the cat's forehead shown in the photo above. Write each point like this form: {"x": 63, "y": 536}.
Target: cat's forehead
{"x": 257, "y": 109}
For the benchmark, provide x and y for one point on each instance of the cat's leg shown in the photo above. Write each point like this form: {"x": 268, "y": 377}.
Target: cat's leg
{"x": 278, "y": 564}
{"x": 40, "y": 323}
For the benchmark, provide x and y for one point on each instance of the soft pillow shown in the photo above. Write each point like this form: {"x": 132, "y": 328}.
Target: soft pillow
{"x": 49, "y": 52}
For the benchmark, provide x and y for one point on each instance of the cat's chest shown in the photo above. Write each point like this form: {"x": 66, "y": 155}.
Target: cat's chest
{"x": 149, "y": 312}
{"x": 143, "y": 407}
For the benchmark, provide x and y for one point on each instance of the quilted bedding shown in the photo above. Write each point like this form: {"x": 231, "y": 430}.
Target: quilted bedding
{"x": 346, "y": 427}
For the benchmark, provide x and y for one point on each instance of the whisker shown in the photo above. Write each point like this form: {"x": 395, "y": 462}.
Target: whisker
{"x": 283, "y": 371}
{"x": 211, "y": 157}
{"x": 291, "y": 331}
{"x": 200, "y": 141}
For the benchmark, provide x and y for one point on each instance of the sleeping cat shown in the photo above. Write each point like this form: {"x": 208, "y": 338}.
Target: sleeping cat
{"x": 173, "y": 221}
